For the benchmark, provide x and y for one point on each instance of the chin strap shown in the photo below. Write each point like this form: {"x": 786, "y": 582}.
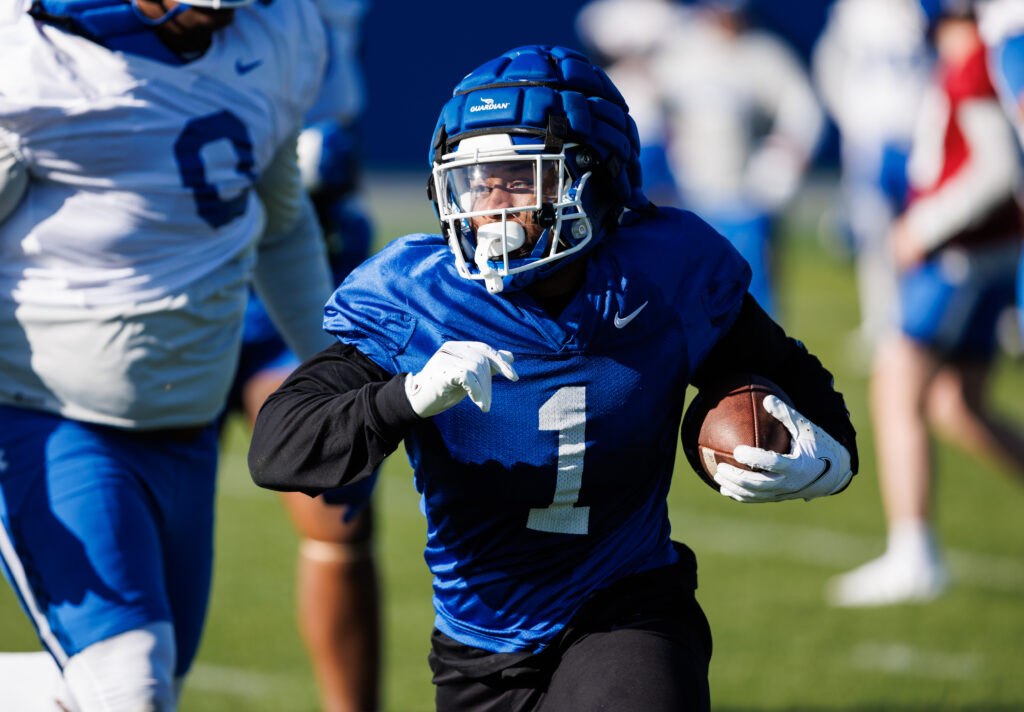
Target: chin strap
{"x": 169, "y": 15}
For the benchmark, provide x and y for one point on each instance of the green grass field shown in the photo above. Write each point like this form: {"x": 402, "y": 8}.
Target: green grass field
{"x": 762, "y": 567}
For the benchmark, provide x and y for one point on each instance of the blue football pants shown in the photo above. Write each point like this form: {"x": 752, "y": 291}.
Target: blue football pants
{"x": 106, "y": 530}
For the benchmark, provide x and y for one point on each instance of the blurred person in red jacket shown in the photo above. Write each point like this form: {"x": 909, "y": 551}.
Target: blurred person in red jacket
{"x": 956, "y": 247}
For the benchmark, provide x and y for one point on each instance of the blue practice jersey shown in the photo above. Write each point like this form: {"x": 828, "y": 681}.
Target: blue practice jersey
{"x": 560, "y": 489}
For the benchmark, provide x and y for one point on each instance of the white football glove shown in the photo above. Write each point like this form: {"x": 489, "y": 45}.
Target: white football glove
{"x": 457, "y": 369}
{"x": 816, "y": 465}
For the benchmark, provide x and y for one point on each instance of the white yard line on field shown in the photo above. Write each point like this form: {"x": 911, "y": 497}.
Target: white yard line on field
{"x": 829, "y": 548}
{"x": 817, "y": 546}
{"x": 238, "y": 682}
{"x": 902, "y": 659}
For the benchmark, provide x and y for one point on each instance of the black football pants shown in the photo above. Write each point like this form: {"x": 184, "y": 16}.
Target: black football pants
{"x": 642, "y": 644}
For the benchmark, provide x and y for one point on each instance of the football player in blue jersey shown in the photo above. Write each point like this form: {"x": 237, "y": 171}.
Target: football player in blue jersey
{"x": 148, "y": 174}
{"x": 573, "y": 313}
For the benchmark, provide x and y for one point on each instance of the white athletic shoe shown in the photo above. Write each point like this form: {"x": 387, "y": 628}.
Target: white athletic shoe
{"x": 889, "y": 580}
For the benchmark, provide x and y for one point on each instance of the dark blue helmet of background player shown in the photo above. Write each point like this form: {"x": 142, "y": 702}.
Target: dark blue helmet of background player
{"x": 119, "y": 24}
{"x": 548, "y": 112}
{"x": 935, "y": 10}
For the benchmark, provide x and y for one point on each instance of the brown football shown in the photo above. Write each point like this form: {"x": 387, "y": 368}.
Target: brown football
{"x": 736, "y": 416}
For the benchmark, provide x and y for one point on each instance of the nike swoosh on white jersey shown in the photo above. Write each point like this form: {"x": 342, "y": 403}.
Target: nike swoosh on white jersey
{"x": 621, "y": 321}
{"x": 246, "y": 67}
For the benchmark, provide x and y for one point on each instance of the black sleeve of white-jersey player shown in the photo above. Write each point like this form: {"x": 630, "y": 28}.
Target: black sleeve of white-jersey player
{"x": 331, "y": 423}
{"x": 757, "y": 344}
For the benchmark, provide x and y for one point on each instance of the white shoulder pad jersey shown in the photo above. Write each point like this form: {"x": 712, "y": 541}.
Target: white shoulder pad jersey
{"x": 132, "y": 159}
{"x": 141, "y": 193}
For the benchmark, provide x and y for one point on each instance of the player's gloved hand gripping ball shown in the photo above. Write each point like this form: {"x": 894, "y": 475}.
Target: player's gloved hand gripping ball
{"x": 816, "y": 465}
{"x": 457, "y": 369}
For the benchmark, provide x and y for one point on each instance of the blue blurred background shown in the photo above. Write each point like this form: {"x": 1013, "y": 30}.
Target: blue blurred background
{"x": 415, "y": 52}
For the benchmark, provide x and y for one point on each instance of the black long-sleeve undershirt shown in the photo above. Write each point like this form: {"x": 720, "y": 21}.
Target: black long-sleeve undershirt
{"x": 336, "y": 418}
{"x": 757, "y": 344}
{"x": 331, "y": 423}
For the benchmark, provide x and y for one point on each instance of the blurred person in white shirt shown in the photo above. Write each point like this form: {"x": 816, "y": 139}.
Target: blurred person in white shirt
{"x": 871, "y": 65}
{"x": 337, "y": 587}
{"x": 624, "y": 36}
{"x": 743, "y": 124}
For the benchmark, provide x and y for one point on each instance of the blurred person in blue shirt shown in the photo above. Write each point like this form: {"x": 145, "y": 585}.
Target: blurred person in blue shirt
{"x": 337, "y": 595}
{"x": 871, "y": 66}
{"x": 1002, "y": 28}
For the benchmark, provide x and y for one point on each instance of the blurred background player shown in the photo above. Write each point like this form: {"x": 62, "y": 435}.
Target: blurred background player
{"x": 871, "y": 65}
{"x": 159, "y": 140}
{"x": 743, "y": 123}
{"x": 624, "y": 36}
{"x": 956, "y": 247}
{"x": 337, "y": 584}
{"x": 1001, "y": 24}
{"x": 1002, "y": 29}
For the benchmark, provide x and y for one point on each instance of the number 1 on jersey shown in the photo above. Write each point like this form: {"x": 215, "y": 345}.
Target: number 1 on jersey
{"x": 566, "y": 412}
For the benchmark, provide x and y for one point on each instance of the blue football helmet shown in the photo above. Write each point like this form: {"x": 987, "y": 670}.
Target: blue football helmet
{"x": 532, "y": 158}
{"x": 936, "y": 10}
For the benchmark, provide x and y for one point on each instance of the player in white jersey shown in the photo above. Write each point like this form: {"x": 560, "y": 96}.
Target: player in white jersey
{"x": 158, "y": 138}
{"x": 336, "y": 579}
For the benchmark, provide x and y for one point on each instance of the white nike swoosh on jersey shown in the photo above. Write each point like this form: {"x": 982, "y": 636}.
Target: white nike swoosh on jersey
{"x": 621, "y": 321}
